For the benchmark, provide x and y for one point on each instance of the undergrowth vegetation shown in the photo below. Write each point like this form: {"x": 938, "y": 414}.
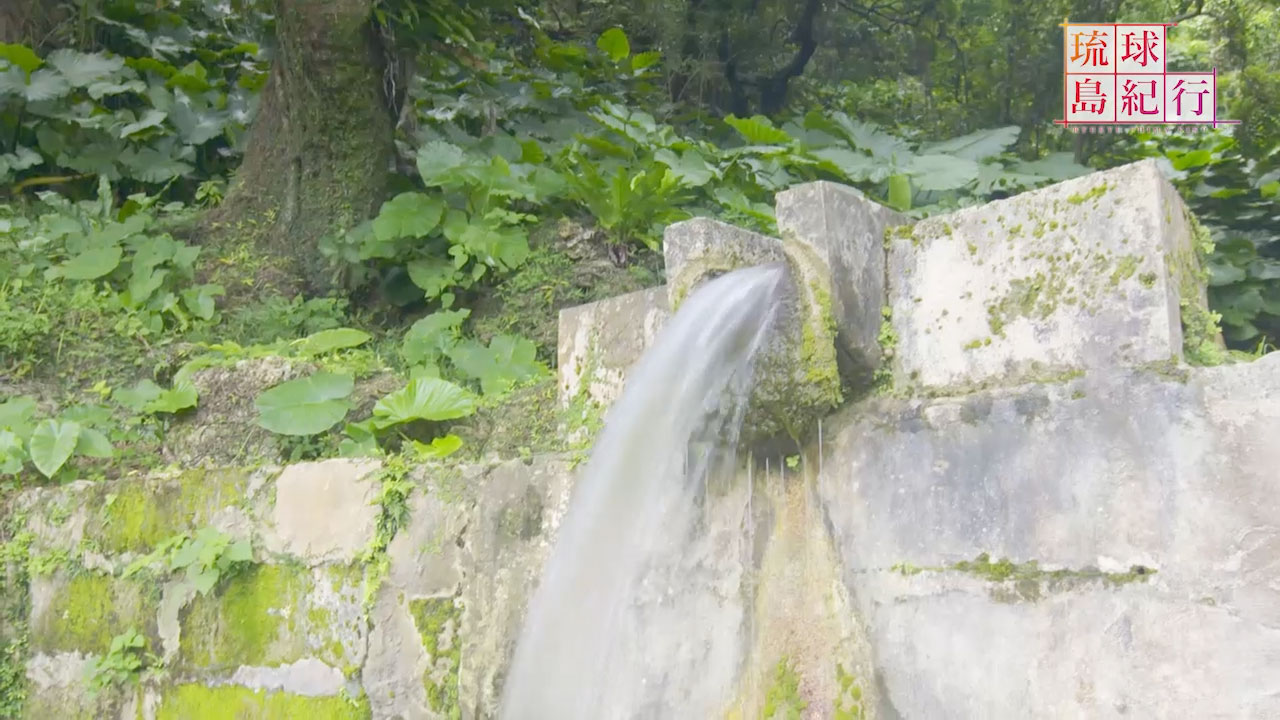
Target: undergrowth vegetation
{"x": 538, "y": 156}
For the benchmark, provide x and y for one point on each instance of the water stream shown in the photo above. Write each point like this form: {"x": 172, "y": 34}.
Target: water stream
{"x": 639, "y": 611}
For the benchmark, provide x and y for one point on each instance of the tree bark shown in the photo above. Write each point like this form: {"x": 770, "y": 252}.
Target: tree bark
{"x": 319, "y": 151}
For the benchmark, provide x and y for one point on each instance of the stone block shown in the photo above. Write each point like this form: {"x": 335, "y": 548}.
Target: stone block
{"x": 845, "y": 230}
{"x": 700, "y": 249}
{"x": 83, "y": 612}
{"x": 325, "y": 511}
{"x": 1101, "y": 547}
{"x": 797, "y": 378}
{"x": 600, "y": 341}
{"x": 1087, "y": 273}
{"x": 268, "y": 615}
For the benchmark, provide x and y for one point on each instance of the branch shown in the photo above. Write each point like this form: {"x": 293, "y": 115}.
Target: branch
{"x": 1190, "y": 9}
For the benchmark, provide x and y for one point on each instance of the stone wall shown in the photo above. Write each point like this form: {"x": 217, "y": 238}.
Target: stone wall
{"x": 1038, "y": 510}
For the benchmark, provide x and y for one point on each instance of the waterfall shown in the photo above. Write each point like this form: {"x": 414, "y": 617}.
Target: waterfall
{"x": 635, "y": 615}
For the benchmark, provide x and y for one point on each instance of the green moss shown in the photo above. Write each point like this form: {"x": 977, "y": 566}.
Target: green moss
{"x": 1095, "y": 192}
{"x": 230, "y": 702}
{"x": 900, "y": 232}
{"x": 135, "y": 515}
{"x": 89, "y": 609}
{"x": 1201, "y": 334}
{"x": 256, "y": 620}
{"x": 1036, "y": 296}
{"x": 1125, "y": 268}
{"x": 439, "y": 621}
{"x": 1028, "y": 582}
{"x": 782, "y": 700}
{"x": 848, "y": 702}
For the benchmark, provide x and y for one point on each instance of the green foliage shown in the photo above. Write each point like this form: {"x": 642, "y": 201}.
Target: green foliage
{"x": 209, "y": 557}
{"x": 89, "y": 264}
{"x": 1236, "y": 199}
{"x": 424, "y": 398}
{"x": 49, "y": 443}
{"x": 164, "y": 98}
{"x": 203, "y": 559}
{"x": 305, "y": 406}
{"x": 124, "y": 662}
{"x": 148, "y": 397}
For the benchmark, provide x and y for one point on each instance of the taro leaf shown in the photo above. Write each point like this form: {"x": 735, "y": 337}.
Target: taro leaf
{"x": 151, "y": 165}
{"x": 12, "y": 454}
{"x": 83, "y": 69}
{"x": 758, "y": 130}
{"x": 180, "y": 397}
{"x": 360, "y": 440}
{"x": 200, "y": 299}
{"x": 855, "y": 166}
{"x": 326, "y": 341}
{"x": 51, "y": 445}
{"x": 440, "y": 447}
{"x": 16, "y": 414}
{"x": 431, "y": 336}
{"x": 1054, "y": 166}
{"x": 433, "y": 275}
{"x": 423, "y": 399}
{"x": 92, "y": 263}
{"x": 976, "y": 145}
{"x": 507, "y": 361}
{"x": 139, "y": 396}
{"x": 613, "y": 42}
{"x": 21, "y": 56}
{"x": 305, "y": 406}
{"x": 410, "y": 214}
{"x": 93, "y": 443}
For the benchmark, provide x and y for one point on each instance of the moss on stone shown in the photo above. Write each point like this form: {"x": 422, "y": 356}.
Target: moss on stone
{"x": 1029, "y": 582}
{"x": 1201, "y": 334}
{"x": 782, "y": 701}
{"x": 136, "y": 515}
{"x": 1093, "y": 193}
{"x": 439, "y": 621}
{"x": 88, "y": 609}
{"x": 848, "y": 702}
{"x": 268, "y": 615}
{"x": 230, "y": 702}
{"x": 1124, "y": 269}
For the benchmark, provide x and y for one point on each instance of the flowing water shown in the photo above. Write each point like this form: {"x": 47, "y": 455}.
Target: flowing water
{"x": 637, "y": 614}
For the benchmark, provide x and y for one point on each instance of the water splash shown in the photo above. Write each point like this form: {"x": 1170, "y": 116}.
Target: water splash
{"x": 635, "y": 615}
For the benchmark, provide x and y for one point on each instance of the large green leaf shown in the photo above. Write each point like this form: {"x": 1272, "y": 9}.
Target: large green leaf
{"x": 21, "y": 56}
{"x": 758, "y": 130}
{"x": 613, "y": 42}
{"x": 16, "y": 414}
{"x": 942, "y": 172}
{"x": 507, "y": 361}
{"x": 410, "y": 214}
{"x": 83, "y": 69}
{"x": 92, "y": 263}
{"x": 305, "y": 406}
{"x": 93, "y": 443}
{"x": 433, "y": 275}
{"x": 423, "y": 398}
{"x": 43, "y": 84}
{"x": 431, "y": 336}
{"x": 326, "y": 341}
{"x": 180, "y": 397}
{"x": 900, "y": 192}
{"x": 978, "y": 145}
{"x": 51, "y": 445}
{"x": 437, "y": 160}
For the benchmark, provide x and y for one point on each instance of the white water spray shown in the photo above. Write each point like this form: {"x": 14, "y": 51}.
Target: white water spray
{"x": 630, "y": 619}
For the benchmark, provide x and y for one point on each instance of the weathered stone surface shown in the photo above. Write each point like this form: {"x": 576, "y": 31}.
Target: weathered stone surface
{"x": 600, "y": 341}
{"x": 1093, "y": 477}
{"x": 797, "y": 378}
{"x": 83, "y": 612}
{"x": 308, "y": 676}
{"x": 846, "y": 232}
{"x": 1082, "y": 274}
{"x": 699, "y": 249}
{"x": 222, "y": 430}
{"x": 56, "y": 689}
{"x": 325, "y": 511}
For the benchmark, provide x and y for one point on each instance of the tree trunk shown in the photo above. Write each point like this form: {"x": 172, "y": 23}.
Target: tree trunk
{"x": 318, "y": 152}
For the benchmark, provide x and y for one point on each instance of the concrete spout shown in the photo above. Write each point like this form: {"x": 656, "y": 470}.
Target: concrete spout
{"x": 826, "y": 339}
